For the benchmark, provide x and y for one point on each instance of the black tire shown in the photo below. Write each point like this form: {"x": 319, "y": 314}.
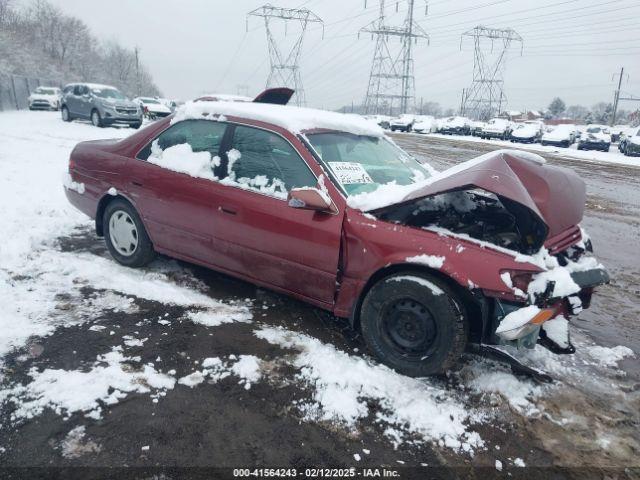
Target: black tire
{"x": 412, "y": 323}
{"x": 96, "y": 118}
{"x": 136, "y": 125}
{"x": 66, "y": 115}
{"x": 144, "y": 252}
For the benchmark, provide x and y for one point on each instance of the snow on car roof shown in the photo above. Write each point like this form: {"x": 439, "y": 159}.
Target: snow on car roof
{"x": 225, "y": 97}
{"x": 294, "y": 119}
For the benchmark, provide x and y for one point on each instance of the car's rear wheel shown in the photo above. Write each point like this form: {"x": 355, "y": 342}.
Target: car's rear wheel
{"x": 66, "y": 116}
{"x": 413, "y": 323}
{"x": 96, "y": 119}
{"x": 125, "y": 235}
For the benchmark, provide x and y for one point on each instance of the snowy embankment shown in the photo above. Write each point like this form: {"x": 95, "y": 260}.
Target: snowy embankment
{"x": 612, "y": 156}
{"x": 34, "y": 154}
{"x": 346, "y": 389}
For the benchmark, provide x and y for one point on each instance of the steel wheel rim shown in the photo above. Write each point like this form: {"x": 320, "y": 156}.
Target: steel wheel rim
{"x": 95, "y": 119}
{"x": 123, "y": 233}
{"x": 409, "y": 327}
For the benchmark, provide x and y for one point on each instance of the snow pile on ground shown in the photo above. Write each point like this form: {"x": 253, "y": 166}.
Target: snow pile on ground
{"x": 32, "y": 272}
{"x": 609, "y": 357}
{"x": 219, "y": 316}
{"x": 344, "y": 384}
{"x": 112, "y": 377}
{"x": 246, "y": 367}
{"x": 75, "y": 444}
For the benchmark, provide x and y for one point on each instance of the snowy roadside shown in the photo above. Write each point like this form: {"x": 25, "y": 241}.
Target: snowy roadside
{"x": 613, "y": 156}
{"x": 343, "y": 388}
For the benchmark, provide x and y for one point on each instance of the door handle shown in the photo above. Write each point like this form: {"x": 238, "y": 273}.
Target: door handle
{"x": 137, "y": 184}
{"x": 227, "y": 210}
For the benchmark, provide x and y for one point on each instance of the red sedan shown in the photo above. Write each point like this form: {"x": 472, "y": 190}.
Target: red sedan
{"x": 324, "y": 207}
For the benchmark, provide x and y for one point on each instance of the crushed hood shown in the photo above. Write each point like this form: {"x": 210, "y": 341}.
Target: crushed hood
{"x": 555, "y": 194}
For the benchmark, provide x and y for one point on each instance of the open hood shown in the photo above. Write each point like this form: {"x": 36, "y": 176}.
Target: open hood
{"x": 276, "y": 96}
{"x": 553, "y": 197}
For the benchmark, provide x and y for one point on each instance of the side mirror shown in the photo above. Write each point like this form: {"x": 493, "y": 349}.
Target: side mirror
{"x": 311, "y": 199}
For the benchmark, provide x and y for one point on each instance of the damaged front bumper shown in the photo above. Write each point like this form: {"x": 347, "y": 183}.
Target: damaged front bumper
{"x": 530, "y": 330}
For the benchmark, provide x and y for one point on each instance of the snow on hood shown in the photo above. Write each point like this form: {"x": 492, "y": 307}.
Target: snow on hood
{"x": 525, "y": 131}
{"x": 556, "y": 195}
{"x": 557, "y": 134}
{"x": 294, "y": 119}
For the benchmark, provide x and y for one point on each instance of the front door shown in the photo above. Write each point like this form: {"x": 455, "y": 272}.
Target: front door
{"x": 292, "y": 249}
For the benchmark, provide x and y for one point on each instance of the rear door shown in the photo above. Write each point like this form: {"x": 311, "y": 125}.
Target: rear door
{"x": 174, "y": 189}
{"x": 293, "y": 249}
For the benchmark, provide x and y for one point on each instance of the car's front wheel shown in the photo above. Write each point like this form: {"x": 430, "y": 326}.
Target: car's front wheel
{"x": 125, "y": 235}
{"x": 413, "y": 323}
{"x": 66, "y": 116}
{"x": 96, "y": 119}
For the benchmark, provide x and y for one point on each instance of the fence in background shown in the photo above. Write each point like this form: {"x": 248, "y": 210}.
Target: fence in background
{"x": 15, "y": 89}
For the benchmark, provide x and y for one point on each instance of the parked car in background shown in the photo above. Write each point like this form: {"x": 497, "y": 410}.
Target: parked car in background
{"x": 152, "y": 108}
{"x": 595, "y": 138}
{"x": 528, "y": 132}
{"x": 630, "y": 142}
{"x": 45, "y": 98}
{"x": 104, "y": 105}
{"x": 563, "y": 135}
{"x": 425, "y": 124}
{"x": 404, "y": 123}
{"x": 292, "y": 204}
{"x": 476, "y": 128}
{"x": 456, "y": 126}
{"x": 382, "y": 121}
{"x": 497, "y": 128}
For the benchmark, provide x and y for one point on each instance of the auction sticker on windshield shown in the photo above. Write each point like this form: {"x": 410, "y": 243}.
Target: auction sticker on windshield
{"x": 350, "y": 173}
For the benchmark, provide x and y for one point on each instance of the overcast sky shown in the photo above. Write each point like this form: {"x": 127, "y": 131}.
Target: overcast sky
{"x": 572, "y": 48}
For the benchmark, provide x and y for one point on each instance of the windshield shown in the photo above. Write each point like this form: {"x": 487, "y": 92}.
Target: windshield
{"x": 45, "y": 91}
{"x": 594, "y": 130}
{"x": 149, "y": 100}
{"x": 108, "y": 93}
{"x": 361, "y": 163}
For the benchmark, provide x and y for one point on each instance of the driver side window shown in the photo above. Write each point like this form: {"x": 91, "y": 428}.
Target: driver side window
{"x": 266, "y": 162}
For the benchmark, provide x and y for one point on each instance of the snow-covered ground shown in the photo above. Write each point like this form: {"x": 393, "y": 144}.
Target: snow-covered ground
{"x": 612, "y": 156}
{"x": 44, "y": 285}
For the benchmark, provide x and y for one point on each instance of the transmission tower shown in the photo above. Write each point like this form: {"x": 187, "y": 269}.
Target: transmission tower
{"x": 391, "y": 81}
{"x": 485, "y": 97}
{"x": 285, "y": 69}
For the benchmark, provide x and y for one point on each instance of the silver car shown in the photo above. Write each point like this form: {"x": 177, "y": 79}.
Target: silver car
{"x": 102, "y": 104}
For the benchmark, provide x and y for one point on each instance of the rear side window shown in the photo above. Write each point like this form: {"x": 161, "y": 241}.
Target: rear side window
{"x": 266, "y": 162}
{"x": 200, "y": 135}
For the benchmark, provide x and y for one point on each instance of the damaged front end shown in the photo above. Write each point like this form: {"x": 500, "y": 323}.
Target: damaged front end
{"x": 511, "y": 201}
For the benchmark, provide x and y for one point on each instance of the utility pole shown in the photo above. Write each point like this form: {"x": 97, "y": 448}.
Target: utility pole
{"x": 285, "y": 70}
{"x": 616, "y": 98}
{"x": 391, "y": 81}
{"x": 484, "y": 98}
{"x": 138, "y": 87}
